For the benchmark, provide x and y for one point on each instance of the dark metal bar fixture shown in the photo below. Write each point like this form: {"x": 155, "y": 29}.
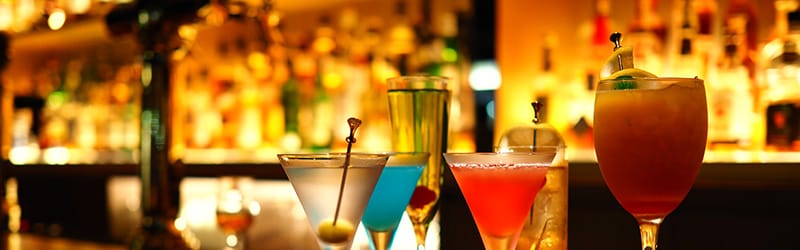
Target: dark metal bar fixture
{"x": 155, "y": 24}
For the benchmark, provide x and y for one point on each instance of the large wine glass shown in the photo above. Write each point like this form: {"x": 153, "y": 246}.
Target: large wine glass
{"x": 650, "y": 138}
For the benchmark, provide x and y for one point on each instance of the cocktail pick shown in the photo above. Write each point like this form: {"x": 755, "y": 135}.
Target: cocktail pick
{"x": 616, "y": 38}
{"x": 354, "y": 123}
{"x": 537, "y": 109}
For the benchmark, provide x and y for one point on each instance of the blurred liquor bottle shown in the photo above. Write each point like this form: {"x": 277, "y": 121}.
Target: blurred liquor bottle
{"x": 59, "y": 106}
{"x": 743, "y": 12}
{"x": 326, "y": 79}
{"x": 391, "y": 49}
{"x": 689, "y": 61}
{"x": 200, "y": 121}
{"x": 347, "y": 75}
{"x": 229, "y": 81}
{"x": 444, "y": 55}
{"x": 546, "y": 82}
{"x": 748, "y": 48}
{"x": 706, "y": 32}
{"x": 304, "y": 71}
{"x": 290, "y": 100}
{"x": 781, "y": 90}
{"x": 730, "y": 100}
{"x": 647, "y": 33}
{"x": 578, "y": 91}
{"x": 594, "y": 35}
{"x": 277, "y": 58}
{"x": 401, "y": 40}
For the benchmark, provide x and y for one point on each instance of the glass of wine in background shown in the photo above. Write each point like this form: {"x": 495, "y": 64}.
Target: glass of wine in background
{"x": 236, "y": 209}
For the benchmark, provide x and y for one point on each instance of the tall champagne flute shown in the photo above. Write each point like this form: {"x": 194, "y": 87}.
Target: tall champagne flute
{"x": 650, "y": 137}
{"x": 419, "y": 108}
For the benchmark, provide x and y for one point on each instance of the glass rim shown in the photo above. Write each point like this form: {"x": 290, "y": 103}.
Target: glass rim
{"x": 557, "y": 147}
{"x": 418, "y": 82}
{"x": 330, "y": 154}
{"x": 509, "y": 157}
{"x": 498, "y": 153}
{"x": 652, "y": 83}
{"x": 407, "y": 158}
{"x": 667, "y": 78}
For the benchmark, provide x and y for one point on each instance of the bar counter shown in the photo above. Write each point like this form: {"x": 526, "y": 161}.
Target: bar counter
{"x": 29, "y": 241}
{"x": 733, "y": 205}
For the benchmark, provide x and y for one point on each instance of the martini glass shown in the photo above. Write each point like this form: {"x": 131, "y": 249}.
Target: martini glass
{"x": 500, "y": 188}
{"x": 333, "y": 205}
{"x": 391, "y": 196}
{"x": 650, "y": 137}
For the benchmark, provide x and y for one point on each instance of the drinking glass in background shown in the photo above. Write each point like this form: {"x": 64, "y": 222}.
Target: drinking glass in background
{"x": 546, "y": 225}
{"x": 419, "y": 108}
{"x": 236, "y": 209}
{"x": 650, "y": 138}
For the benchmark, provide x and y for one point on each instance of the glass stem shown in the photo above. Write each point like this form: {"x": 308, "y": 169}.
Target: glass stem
{"x": 421, "y": 231}
{"x": 381, "y": 240}
{"x": 649, "y": 230}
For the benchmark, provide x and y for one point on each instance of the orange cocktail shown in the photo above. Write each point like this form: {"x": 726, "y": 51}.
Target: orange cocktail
{"x": 650, "y": 137}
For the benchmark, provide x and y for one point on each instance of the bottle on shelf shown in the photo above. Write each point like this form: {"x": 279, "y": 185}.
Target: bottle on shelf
{"x": 730, "y": 100}
{"x": 290, "y": 100}
{"x": 546, "y": 82}
{"x": 401, "y": 40}
{"x": 647, "y": 33}
{"x": 779, "y": 94}
{"x": 749, "y": 47}
{"x": 444, "y": 56}
{"x": 594, "y": 34}
{"x": 689, "y": 61}
{"x": 320, "y": 136}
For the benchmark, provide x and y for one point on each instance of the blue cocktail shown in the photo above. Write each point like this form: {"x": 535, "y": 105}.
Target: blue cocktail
{"x": 391, "y": 196}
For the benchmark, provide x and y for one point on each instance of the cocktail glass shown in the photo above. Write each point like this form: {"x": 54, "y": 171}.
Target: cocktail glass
{"x": 500, "y": 188}
{"x": 650, "y": 137}
{"x": 547, "y": 222}
{"x": 391, "y": 196}
{"x": 334, "y": 206}
{"x": 419, "y": 109}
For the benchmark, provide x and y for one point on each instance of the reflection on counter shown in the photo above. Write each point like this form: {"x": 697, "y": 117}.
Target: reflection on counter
{"x": 280, "y": 216}
{"x": 17, "y": 241}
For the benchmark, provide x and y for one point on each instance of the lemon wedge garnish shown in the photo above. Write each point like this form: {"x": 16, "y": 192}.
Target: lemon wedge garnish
{"x": 632, "y": 73}
{"x": 624, "y": 55}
